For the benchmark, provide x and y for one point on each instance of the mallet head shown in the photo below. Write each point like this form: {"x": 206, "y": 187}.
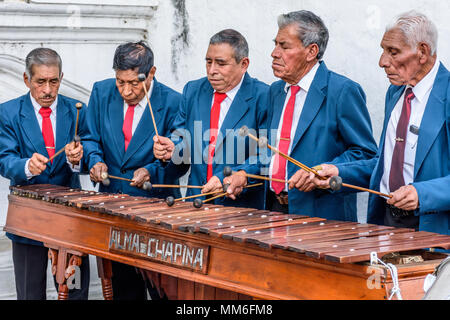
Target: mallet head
{"x": 77, "y": 139}
{"x": 225, "y": 187}
{"x": 335, "y": 183}
{"x": 104, "y": 175}
{"x": 227, "y": 171}
{"x": 78, "y": 105}
{"x": 262, "y": 142}
{"x": 243, "y": 131}
{"x": 198, "y": 203}
{"x": 106, "y": 182}
{"x": 141, "y": 77}
{"x": 147, "y": 186}
{"x": 170, "y": 201}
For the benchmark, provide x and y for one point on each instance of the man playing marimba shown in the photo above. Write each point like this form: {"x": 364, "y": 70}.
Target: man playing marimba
{"x": 32, "y": 127}
{"x": 412, "y": 163}
{"x": 120, "y": 141}
{"x": 315, "y": 116}
{"x": 216, "y": 107}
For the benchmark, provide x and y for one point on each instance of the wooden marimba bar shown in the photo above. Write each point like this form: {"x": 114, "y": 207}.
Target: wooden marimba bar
{"x": 220, "y": 252}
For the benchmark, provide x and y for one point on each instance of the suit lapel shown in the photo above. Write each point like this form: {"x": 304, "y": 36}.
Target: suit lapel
{"x": 115, "y": 116}
{"x": 433, "y": 118}
{"x": 145, "y": 129}
{"x": 238, "y": 109}
{"x": 312, "y": 103}
{"x": 278, "y": 104}
{"x": 205, "y": 102}
{"x": 30, "y": 126}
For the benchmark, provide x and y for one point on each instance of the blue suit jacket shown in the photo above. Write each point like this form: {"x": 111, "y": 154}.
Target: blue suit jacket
{"x": 334, "y": 127}
{"x": 432, "y": 163}
{"x": 20, "y": 137}
{"x": 249, "y": 108}
{"x": 106, "y": 142}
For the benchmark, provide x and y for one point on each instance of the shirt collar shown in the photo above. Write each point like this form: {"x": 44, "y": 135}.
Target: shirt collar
{"x": 425, "y": 85}
{"x": 38, "y": 107}
{"x": 232, "y": 93}
{"x": 306, "y": 80}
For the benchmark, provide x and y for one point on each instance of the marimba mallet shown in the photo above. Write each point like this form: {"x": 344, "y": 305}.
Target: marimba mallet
{"x": 76, "y": 139}
{"x": 262, "y": 142}
{"x": 170, "y": 200}
{"x": 227, "y": 171}
{"x": 336, "y": 184}
{"x": 147, "y": 186}
{"x": 198, "y": 203}
{"x": 78, "y": 105}
{"x": 142, "y": 78}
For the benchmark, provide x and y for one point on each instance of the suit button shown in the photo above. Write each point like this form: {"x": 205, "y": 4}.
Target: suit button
{"x": 51, "y": 176}
{"x": 123, "y": 171}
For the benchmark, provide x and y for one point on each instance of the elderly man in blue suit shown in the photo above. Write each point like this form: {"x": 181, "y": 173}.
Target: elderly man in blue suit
{"x": 412, "y": 163}
{"x": 120, "y": 140}
{"x": 212, "y": 111}
{"x": 315, "y": 116}
{"x": 32, "y": 127}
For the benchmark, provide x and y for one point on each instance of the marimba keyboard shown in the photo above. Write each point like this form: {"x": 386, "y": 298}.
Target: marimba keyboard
{"x": 183, "y": 241}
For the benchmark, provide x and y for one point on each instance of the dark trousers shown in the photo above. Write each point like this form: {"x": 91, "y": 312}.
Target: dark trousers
{"x": 30, "y": 272}
{"x": 410, "y": 221}
{"x": 127, "y": 282}
{"x": 274, "y": 205}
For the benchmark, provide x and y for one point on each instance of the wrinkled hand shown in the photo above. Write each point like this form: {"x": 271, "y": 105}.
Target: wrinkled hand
{"x": 163, "y": 148}
{"x": 327, "y": 171}
{"x": 96, "y": 171}
{"x": 236, "y": 182}
{"x": 74, "y": 152}
{"x": 405, "y": 198}
{"x": 213, "y": 184}
{"x": 140, "y": 176}
{"x": 37, "y": 164}
{"x": 302, "y": 181}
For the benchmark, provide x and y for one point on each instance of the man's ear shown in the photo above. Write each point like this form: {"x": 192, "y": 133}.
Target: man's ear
{"x": 313, "y": 51}
{"x": 424, "y": 52}
{"x": 26, "y": 80}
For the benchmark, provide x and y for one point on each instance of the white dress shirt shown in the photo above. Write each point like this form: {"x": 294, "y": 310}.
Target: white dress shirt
{"x": 300, "y": 98}
{"x": 37, "y": 107}
{"x": 226, "y": 103}
{"x": 421, "y": 92}
{"x": 138, "y": 110}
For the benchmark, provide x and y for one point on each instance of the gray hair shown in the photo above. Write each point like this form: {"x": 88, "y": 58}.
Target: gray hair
{"x": 42, "y": 56}
{"x": 234, "y": 39}
{"x": 311, "y": 28}
{"x": 416, "y": 28}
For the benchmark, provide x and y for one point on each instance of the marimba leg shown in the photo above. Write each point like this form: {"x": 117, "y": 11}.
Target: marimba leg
{"x": 65, "y": 265}
{"x": 105, "y": 273}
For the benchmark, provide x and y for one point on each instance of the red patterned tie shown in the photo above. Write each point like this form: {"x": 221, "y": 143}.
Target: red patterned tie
{"x": 213, "y": 130}
{"x": 47, "y": 131}
{"x": 128, "y": 125}
{"x": 396, "y": 179}
{"x": 279, "y": 165}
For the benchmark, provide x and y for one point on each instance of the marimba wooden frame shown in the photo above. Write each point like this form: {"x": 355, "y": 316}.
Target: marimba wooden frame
{"x": 243, "y": 268}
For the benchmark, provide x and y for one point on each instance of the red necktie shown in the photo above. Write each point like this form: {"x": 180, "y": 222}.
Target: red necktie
{"x": 128, "y": 125}
{"x": 279, "y": 165}
{"x": 213, "y": 130}
{"x": 396, "y": 179}
{"x": 47, "y": 131}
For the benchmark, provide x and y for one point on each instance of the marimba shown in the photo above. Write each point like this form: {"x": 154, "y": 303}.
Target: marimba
{"x": 218, "y": 252}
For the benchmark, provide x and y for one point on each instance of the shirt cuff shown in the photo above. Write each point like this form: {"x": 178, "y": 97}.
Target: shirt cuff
{"x": 74, "y": 168}
{"x": 28, "y": 174}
